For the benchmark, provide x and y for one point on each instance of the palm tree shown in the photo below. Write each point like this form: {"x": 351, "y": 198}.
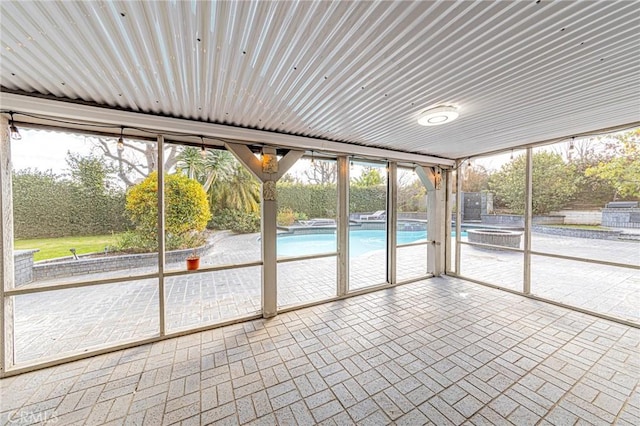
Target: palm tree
{"x": 227, "y": 183}
{"x": 239, "y": 191}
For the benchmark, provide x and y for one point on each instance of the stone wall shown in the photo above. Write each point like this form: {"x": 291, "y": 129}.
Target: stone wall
{"x": 101, "y": 263}
{"x": 506, "y": 220}
{"x": 517, "y": 221}
{"x": 580, "y": 217}
{"x": 578, "y": 233}
{"x": 621, "y": 217}
{"x": 23, "y": 266}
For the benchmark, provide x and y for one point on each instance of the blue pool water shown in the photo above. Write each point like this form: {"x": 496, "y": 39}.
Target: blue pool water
{"x": 360, "y": 242}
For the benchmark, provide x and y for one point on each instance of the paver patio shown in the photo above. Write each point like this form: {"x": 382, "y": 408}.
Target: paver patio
{"x": 437, "y": 351}
{"x": 53, "y": 323}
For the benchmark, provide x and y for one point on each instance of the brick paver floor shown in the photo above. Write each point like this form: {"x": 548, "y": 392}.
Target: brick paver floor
{"x": 438, "y": 351}
{"x": 65, "y": 321}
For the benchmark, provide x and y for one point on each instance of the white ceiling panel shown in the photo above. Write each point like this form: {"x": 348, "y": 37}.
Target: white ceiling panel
{"x": 358, "y": 72}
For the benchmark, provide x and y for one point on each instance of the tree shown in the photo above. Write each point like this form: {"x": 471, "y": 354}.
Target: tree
{"x": 412, "y": 197}
{"x": 227, "y": 183}
{"x": 475, "y": 179}
{"x": 91, "y": 172}
{"x": 621, "y": 171}
{"x": 137, "y": 159}
{"x": 238, "y": 190}
{"x": 322, "y": 172}
{"x": 591, "y": 190}
{"x": 553, "y": 183}
{"x": 370, "y": 176}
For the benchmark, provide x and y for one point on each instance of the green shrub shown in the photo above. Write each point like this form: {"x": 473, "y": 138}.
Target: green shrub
{"x": 236, "y": 220}
{"x": 46, "y": 205}
{"x": 186, "y": 211}
{"x": 285, "y": 217}
{"x": 135, "y": 242}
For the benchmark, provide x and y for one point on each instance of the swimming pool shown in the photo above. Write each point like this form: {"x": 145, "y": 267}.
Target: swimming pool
{"x": 360, "y": 242}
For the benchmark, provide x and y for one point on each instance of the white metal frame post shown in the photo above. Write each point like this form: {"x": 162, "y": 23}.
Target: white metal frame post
{"x": 458, "y": 214}
{"x": 447, "y": 220}
{"x": 6, "y": 248}
{"x": 392, "y": 222}
{"x": 343, "y": 226}
{"x": 161, "y": 240}
{"x": 528, "y": 208}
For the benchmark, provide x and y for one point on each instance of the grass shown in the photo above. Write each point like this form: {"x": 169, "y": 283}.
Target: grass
{"x": 588, "y": 227}
{"x": 51, "y": 248}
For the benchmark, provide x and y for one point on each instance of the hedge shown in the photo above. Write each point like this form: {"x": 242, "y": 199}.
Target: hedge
{"x": 46, "y": 205}
{"x": 316, "y": 201}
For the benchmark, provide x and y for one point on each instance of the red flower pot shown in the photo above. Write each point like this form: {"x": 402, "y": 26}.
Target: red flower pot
{"x": 193, "y": 264}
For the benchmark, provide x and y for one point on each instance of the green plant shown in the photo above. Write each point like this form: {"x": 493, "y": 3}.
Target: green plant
{"x": 286, "y": 217}
{"x": 236, "y": 220}
{"x": 553, "y": 183}
{"x": 186, "y": 211}
{"x": 135, "y": 242}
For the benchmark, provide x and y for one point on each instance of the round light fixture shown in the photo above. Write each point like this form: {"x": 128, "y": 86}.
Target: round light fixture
{"x": 438, "y": 115}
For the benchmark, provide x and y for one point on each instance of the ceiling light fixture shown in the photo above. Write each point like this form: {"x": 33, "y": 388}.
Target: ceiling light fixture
{"x": 14, "y": 133}
{"x": 438, "y": 115}
{"x": 120, "y": 145}
{"x": 572, "y": 144}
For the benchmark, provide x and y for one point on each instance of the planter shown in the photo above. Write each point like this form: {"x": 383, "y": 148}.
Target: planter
{"x": 193, "y": 263}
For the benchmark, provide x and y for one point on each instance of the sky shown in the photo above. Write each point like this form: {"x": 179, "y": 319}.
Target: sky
{"x": 46, "y": 150}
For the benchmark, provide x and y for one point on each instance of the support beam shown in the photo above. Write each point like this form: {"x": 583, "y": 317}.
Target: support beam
{"x": 392, "y": 221}
{"x": 176, "y": 126}
{"x": 431, "y": 178}
{"x": 267, "y": 171}
{"x": 6, "y": 250}
{"x": 343, "y": 225}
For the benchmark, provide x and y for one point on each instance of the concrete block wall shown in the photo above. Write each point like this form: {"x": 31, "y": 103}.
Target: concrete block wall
{"x": 621, "y": 218}
{"x": 23, "y": 266}
{"x": 580, "y": 217}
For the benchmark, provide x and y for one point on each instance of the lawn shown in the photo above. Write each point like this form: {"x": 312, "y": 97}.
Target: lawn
{"x": 50, "y": 248}
{"x": 588, "y": 227}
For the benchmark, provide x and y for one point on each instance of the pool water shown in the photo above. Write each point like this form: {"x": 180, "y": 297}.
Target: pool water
{"x": 360, "y": 242}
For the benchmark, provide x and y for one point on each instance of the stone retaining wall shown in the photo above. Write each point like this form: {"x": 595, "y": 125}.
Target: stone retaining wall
{"x": 621, "y": 217}
{"x": 23, "y": 266}
{"x": 105, "y": 263}
{"x": 517, "y": 221}
{"x": 578, "y": 233}
{"x": 580, "y": 217}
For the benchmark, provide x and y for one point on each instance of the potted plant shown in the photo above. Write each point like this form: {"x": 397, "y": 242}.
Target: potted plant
{"x": 193, "y": 261}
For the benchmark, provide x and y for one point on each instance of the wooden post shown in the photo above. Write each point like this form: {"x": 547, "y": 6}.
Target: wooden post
{"x": 268, "y": 171}
{"x": 431, "y": 178}
{"x": 343, "y": 225}
{"x": 7, "y": 282}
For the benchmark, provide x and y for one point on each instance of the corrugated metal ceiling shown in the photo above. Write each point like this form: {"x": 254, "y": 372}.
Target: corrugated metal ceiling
{"x": 358, "y": 72}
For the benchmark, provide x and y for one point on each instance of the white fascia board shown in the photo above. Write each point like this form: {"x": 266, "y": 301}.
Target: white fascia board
{"x": 99, "y": 115}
